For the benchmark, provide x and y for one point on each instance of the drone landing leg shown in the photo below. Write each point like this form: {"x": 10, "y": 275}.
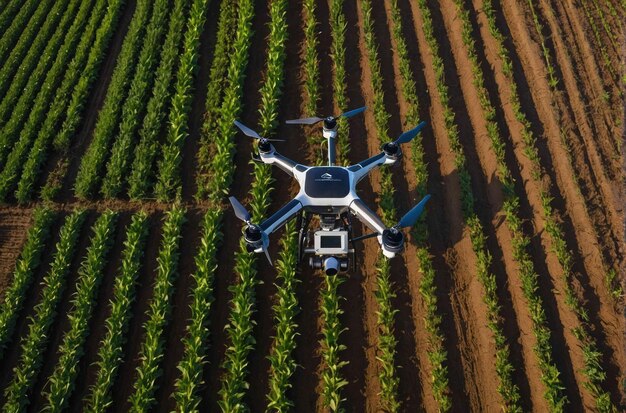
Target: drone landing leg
{"x": 303, "y": 223}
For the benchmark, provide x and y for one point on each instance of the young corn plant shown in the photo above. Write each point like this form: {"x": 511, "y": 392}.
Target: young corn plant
{"x": 92, "y": 162}
{"x": 239, "y": 330}
{"x": 141, "y": 176}
{"x": 158, "y": 313}
{"x": 61, "y": 381}
{"x": 34, "y": 343}
{"x": 338, "y": 26}
{"x": 111, "y": 351}
{"x": 168, "y": 184}
{"x": 20, "y": 21}
{"x": 25, "y": 268}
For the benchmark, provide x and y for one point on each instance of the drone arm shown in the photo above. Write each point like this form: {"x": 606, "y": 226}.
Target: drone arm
{"x": 280, "y": 217}
{"x": 274, "y": 158}
{"x": 367, "y": 216}
{"x": 364, "y": 167}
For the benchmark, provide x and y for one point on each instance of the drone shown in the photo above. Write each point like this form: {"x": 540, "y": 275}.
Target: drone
{"x": 327, "y": 197}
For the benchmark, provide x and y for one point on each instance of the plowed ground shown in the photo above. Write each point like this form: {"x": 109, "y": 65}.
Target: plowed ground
{"x": 585, "y": 110}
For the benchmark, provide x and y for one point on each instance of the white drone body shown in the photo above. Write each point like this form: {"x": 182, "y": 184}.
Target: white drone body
{"x": 330, "y": 193}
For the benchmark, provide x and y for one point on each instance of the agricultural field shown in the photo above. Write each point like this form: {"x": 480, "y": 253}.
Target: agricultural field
{"x": 124, "y": 281}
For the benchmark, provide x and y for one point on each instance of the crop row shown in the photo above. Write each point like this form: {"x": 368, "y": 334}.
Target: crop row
{"x": 168, "y": 184}
{"x": 158, "y": 313}
{"x": 106, "y": 127}
{"x": 68, "y": 104}
{"x": 61, "y": 381}
{"x": 8, "y": 13}
{"x": 34, "y": 343}
{"x": 111, "y": 350}
{"x": 338, "y": 26}
{"x": 223, "y": 103}
{"x": 34, "y": 102}
{"x": 384, "y": 289}
{"x": 32, "y": 40}
{"x": 224, "y": 48}
{"x": 600, "y": 44}
{"x": 134, "y": 107}
{"x": 611, "y": 282}
{"x": 240, "y": 325}
{"x": 141, "y": 178}
{"x": 596, "y": 376}
{"x": 26, "y": 82}
{"x": 23, "y": 275}
{"x": 19, "y": 24}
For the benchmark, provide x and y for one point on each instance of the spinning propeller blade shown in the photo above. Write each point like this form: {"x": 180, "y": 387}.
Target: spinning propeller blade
{"x": 239, "y": 209}
{"x": 249, "y": 132}
{"x": 411, "y": 217}
{"x": 410, "y": 134}
{"x": 315, "y": 119}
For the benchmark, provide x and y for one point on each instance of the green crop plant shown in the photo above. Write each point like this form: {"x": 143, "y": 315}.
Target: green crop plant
{"x": 8, "y": 13}
{"x": 61, "y": 381}
{"x": 35, "y": 341}
{"x": 168, "y": 184}
{"x": 338, "y": 26}
{"x": 33, "y": 104}
{"x": 68, "y": 103}
{"x": 25, "y": 84}
{"x": 134, "y": 106}
{"x": 216, "y": 94}
{"x": 141, "y": 174}
{"x": 158, "y": 313}
{"x": 24, "y": 272}
{"x": 311, "y": 60}
{"x": 30, "y": 8}
{"x": 93, "y": 160}
{"x": 239, "y": 329}
{"x": 552, "y": 79}
{"x": 111, "y": 349}
{"x": 32, "y": 41}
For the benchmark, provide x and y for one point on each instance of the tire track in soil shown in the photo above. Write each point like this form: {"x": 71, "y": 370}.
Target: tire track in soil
{"x": 284, "y": 189}
{"x": 308, "y": 352}
{"x": 562, "y": 171}
{"x": 86, "y": 368}
{"x": 556, "y": 311}
{"x": 60, "y": 324}
{"x": 144, "y": 287}
{"x": 594, "y": 189}
{"x": 231, "y": 226}
{"x": 189, "y": 164}
{"x": 603, "y": 165}
{"x": 13, "y": 351}
{"x": 409, "y": 327}
{"x": 14, "y": 224}
{"x": 477, "y": 351}
{"x": 84, "y": 134}
{"x": 363, "y": 390}
{"x": 602, "y": 313}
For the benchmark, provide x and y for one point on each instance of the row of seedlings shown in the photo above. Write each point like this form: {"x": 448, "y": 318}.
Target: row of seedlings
{"x": 158, "y": 314}
{"x": 135, "y": 104}
{"x": 8, "y": 13}
{"x": 610, "y": 280}
{"x": 330, "y": 300}
{"x": 240, "y": 323}
{"x": 111, "y": 350}
{"x": 67, "y": 106}
{"x": 30, "y": 9}
{"x": 594, "y": 371}
{"x": 141, "y": 172}
{"x": 32, "y": 41}
{"x": 61, "y": 382}
{"x": 169, "y": 183}
{"x": 92, "y": 162}
{"x": 33, "y": 345}
{"x": 221, "y": 111}
{"x": 436, "y": 352}
{"x": 285, "y": 308}
{"x": 384, "y": 294}
{"x": 23, "y": 275}
{"x": 35, "y": 99}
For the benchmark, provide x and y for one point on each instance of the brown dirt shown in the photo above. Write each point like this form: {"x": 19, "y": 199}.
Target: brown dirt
{"x": 14, "y": 224}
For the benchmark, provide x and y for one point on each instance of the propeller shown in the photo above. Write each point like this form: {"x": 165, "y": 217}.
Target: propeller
{"x": 414, "y": 213}
{"x": 410, "y": 134}
{"x": 315, "y": 119}
{"x": 249, "y": 132}
{"x": 244, "y": 215}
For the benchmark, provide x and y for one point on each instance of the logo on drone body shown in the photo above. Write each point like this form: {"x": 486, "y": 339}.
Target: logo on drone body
{"x": 326, "y": 176}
